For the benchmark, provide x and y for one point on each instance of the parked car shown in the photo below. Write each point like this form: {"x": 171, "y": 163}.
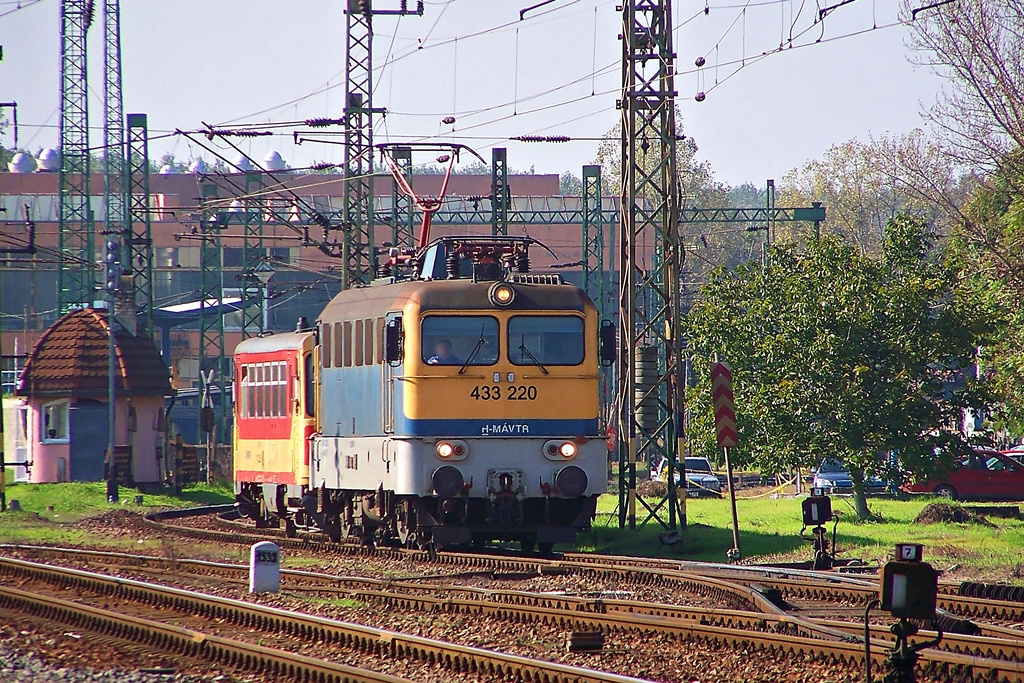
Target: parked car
{"x": 1017, "y": 453}
{"x": 833, "y": 477}
{"x": 700, "y": 478}
{"x": 983, "y": 475}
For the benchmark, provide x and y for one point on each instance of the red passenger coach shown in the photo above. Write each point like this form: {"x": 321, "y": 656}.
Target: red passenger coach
{"x": 274, "y": 418}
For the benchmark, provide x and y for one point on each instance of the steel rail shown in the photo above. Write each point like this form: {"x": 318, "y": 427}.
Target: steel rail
{"x": 186, "y": 642}
{"x": 777, "y": 633}
{"x": 357, "y": 637}
{"x": 831, "y": 588}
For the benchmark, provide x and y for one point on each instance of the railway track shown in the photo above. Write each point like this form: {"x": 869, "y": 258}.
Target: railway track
{"x": 248, "y": 617}
{"x": 995, "y": 652}
{"x": 721, "y": 582}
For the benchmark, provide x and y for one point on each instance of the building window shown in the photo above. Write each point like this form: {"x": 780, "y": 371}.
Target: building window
{"x": 55, "y": 422}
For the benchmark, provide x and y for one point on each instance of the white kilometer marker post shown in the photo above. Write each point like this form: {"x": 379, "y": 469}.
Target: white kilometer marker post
{"x": 264, "y": 567}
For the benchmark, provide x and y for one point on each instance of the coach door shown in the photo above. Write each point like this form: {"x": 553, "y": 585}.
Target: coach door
{"x": 393, "y": 351}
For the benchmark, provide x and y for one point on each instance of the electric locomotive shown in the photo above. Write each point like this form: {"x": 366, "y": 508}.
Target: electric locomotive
{"x": 454, "y": 400}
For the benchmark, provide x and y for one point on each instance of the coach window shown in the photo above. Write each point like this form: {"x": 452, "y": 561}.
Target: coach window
{"x": 454, "y": 340}
{"x": 545, "y": 340}
{"x": 243, "y": 391}
{"x": 275, "y": 389}
{"x": 257, "y": 371}
{"x": 358, "y": 350}
{"x": 325, "y": 345}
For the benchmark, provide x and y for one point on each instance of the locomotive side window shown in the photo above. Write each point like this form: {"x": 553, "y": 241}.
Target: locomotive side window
{"x": 346, "y": 337}
{"x": 325, "y": 345}
{"x": 340, "y": 342}
{"x": 545, "y": 340}
{"x": 458, "y": 339}
{"x": 368, "y": 342}
{"x": 359, "y": 343}
{"x": 259, "y": 389}
{"x": 380, "y": 341}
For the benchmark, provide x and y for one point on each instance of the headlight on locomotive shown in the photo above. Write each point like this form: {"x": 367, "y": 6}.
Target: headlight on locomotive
{"x": 560, "y": 450}
{"x": 571, "y": 481}
{"x": 451, "y": 449}
{"x": 502, "y": 294}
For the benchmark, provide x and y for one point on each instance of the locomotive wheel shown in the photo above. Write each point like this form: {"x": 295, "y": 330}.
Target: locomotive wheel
{"x": 528, "y": 543}
{"x": 545, "y": 548}
{"x": 333, "y": 528}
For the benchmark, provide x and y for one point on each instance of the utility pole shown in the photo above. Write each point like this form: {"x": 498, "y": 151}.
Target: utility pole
{"x": 499, "y": 191}
{"x": 650, "y": 406}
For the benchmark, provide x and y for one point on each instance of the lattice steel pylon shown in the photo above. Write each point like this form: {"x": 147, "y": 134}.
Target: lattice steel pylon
{"x": 499, "y": 191}
{"x": 211, "y": 296}
{"x": 358, "y": 116}
{"x": 403, "y": 230}
{"x": 75, "y": 224}
{"x": 650, "y": 388}
{"x": 253, "y": 256}
{"x": 139, "y": 230}
{"x": 114, "y": 167}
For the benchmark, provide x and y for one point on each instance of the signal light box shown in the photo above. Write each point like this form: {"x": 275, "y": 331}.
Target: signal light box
{"x": 817, "y": 510}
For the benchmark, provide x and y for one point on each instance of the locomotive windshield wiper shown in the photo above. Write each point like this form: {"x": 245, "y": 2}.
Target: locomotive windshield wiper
{"x": 476, "y": 349}
{"x": 528, "y": 354}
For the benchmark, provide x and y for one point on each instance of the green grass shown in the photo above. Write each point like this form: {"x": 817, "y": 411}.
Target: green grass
{"x": 769, "y": 530}
{"x": 79, "y": 499}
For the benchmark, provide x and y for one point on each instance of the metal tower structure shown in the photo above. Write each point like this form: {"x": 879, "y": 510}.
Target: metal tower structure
{"x": 75, "y": 224}
{"x": 593, "y": 237}
{"x": 499, "y": 191}
{"x": 115, "y": 203}
{"x": 650, "y": 361}
{"x": 358, "y": 117}
{"x": 254, "y": 256}
{"x": 213, "y": 367}
{"x": 138, "y": 231}
{"x": 403, "y": 229}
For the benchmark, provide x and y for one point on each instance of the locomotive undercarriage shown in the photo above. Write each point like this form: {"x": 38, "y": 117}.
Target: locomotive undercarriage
{"x": 384, "y": 518}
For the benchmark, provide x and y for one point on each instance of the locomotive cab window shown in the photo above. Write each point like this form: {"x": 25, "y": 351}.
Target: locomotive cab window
{"x": 545, "y": 340}
{"x": 455, "y": 340}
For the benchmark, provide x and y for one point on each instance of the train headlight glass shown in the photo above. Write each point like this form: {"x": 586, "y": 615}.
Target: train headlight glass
{"x": 502, "y": 294}
{"x": 571, "y": 481}
{"x": 451, "y": 449}
{"x": 560, "y": 450}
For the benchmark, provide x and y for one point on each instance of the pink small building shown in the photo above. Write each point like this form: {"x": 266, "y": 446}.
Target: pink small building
{"x": 65, "y": 394}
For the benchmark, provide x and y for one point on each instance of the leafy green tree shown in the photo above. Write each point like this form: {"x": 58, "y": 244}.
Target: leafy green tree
{"x": 837, "y": 353}
{"x": 570, "y": 185}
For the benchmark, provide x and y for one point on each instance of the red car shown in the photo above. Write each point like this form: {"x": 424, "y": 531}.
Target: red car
{"x": 985, "y": 475}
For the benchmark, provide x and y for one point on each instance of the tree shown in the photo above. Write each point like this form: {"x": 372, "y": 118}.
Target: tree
{"x": 839, "y": 353}
{"x": 864, "y": 185}
{"x": 570, "y": 185}
{"x": 978, "y": 45}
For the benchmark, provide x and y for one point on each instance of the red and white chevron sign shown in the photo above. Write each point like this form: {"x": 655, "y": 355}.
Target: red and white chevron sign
{"x": 725, "y": 406}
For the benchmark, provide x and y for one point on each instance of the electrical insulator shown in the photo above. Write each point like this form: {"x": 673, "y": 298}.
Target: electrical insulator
{"x": 443, "y": 159}
{"x": 448, "y": 120}
{"x": 700, "y": 97}
{"x": 699, "y": 61}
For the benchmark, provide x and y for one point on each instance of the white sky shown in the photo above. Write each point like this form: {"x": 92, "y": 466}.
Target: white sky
{"x": 222, "y": 61}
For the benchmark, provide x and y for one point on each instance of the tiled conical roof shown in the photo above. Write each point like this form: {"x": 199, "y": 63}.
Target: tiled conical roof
{"x": 70, "y": 359}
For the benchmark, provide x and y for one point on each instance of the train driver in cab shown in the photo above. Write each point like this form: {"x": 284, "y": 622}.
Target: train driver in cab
{"x": 444, "y": 355}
